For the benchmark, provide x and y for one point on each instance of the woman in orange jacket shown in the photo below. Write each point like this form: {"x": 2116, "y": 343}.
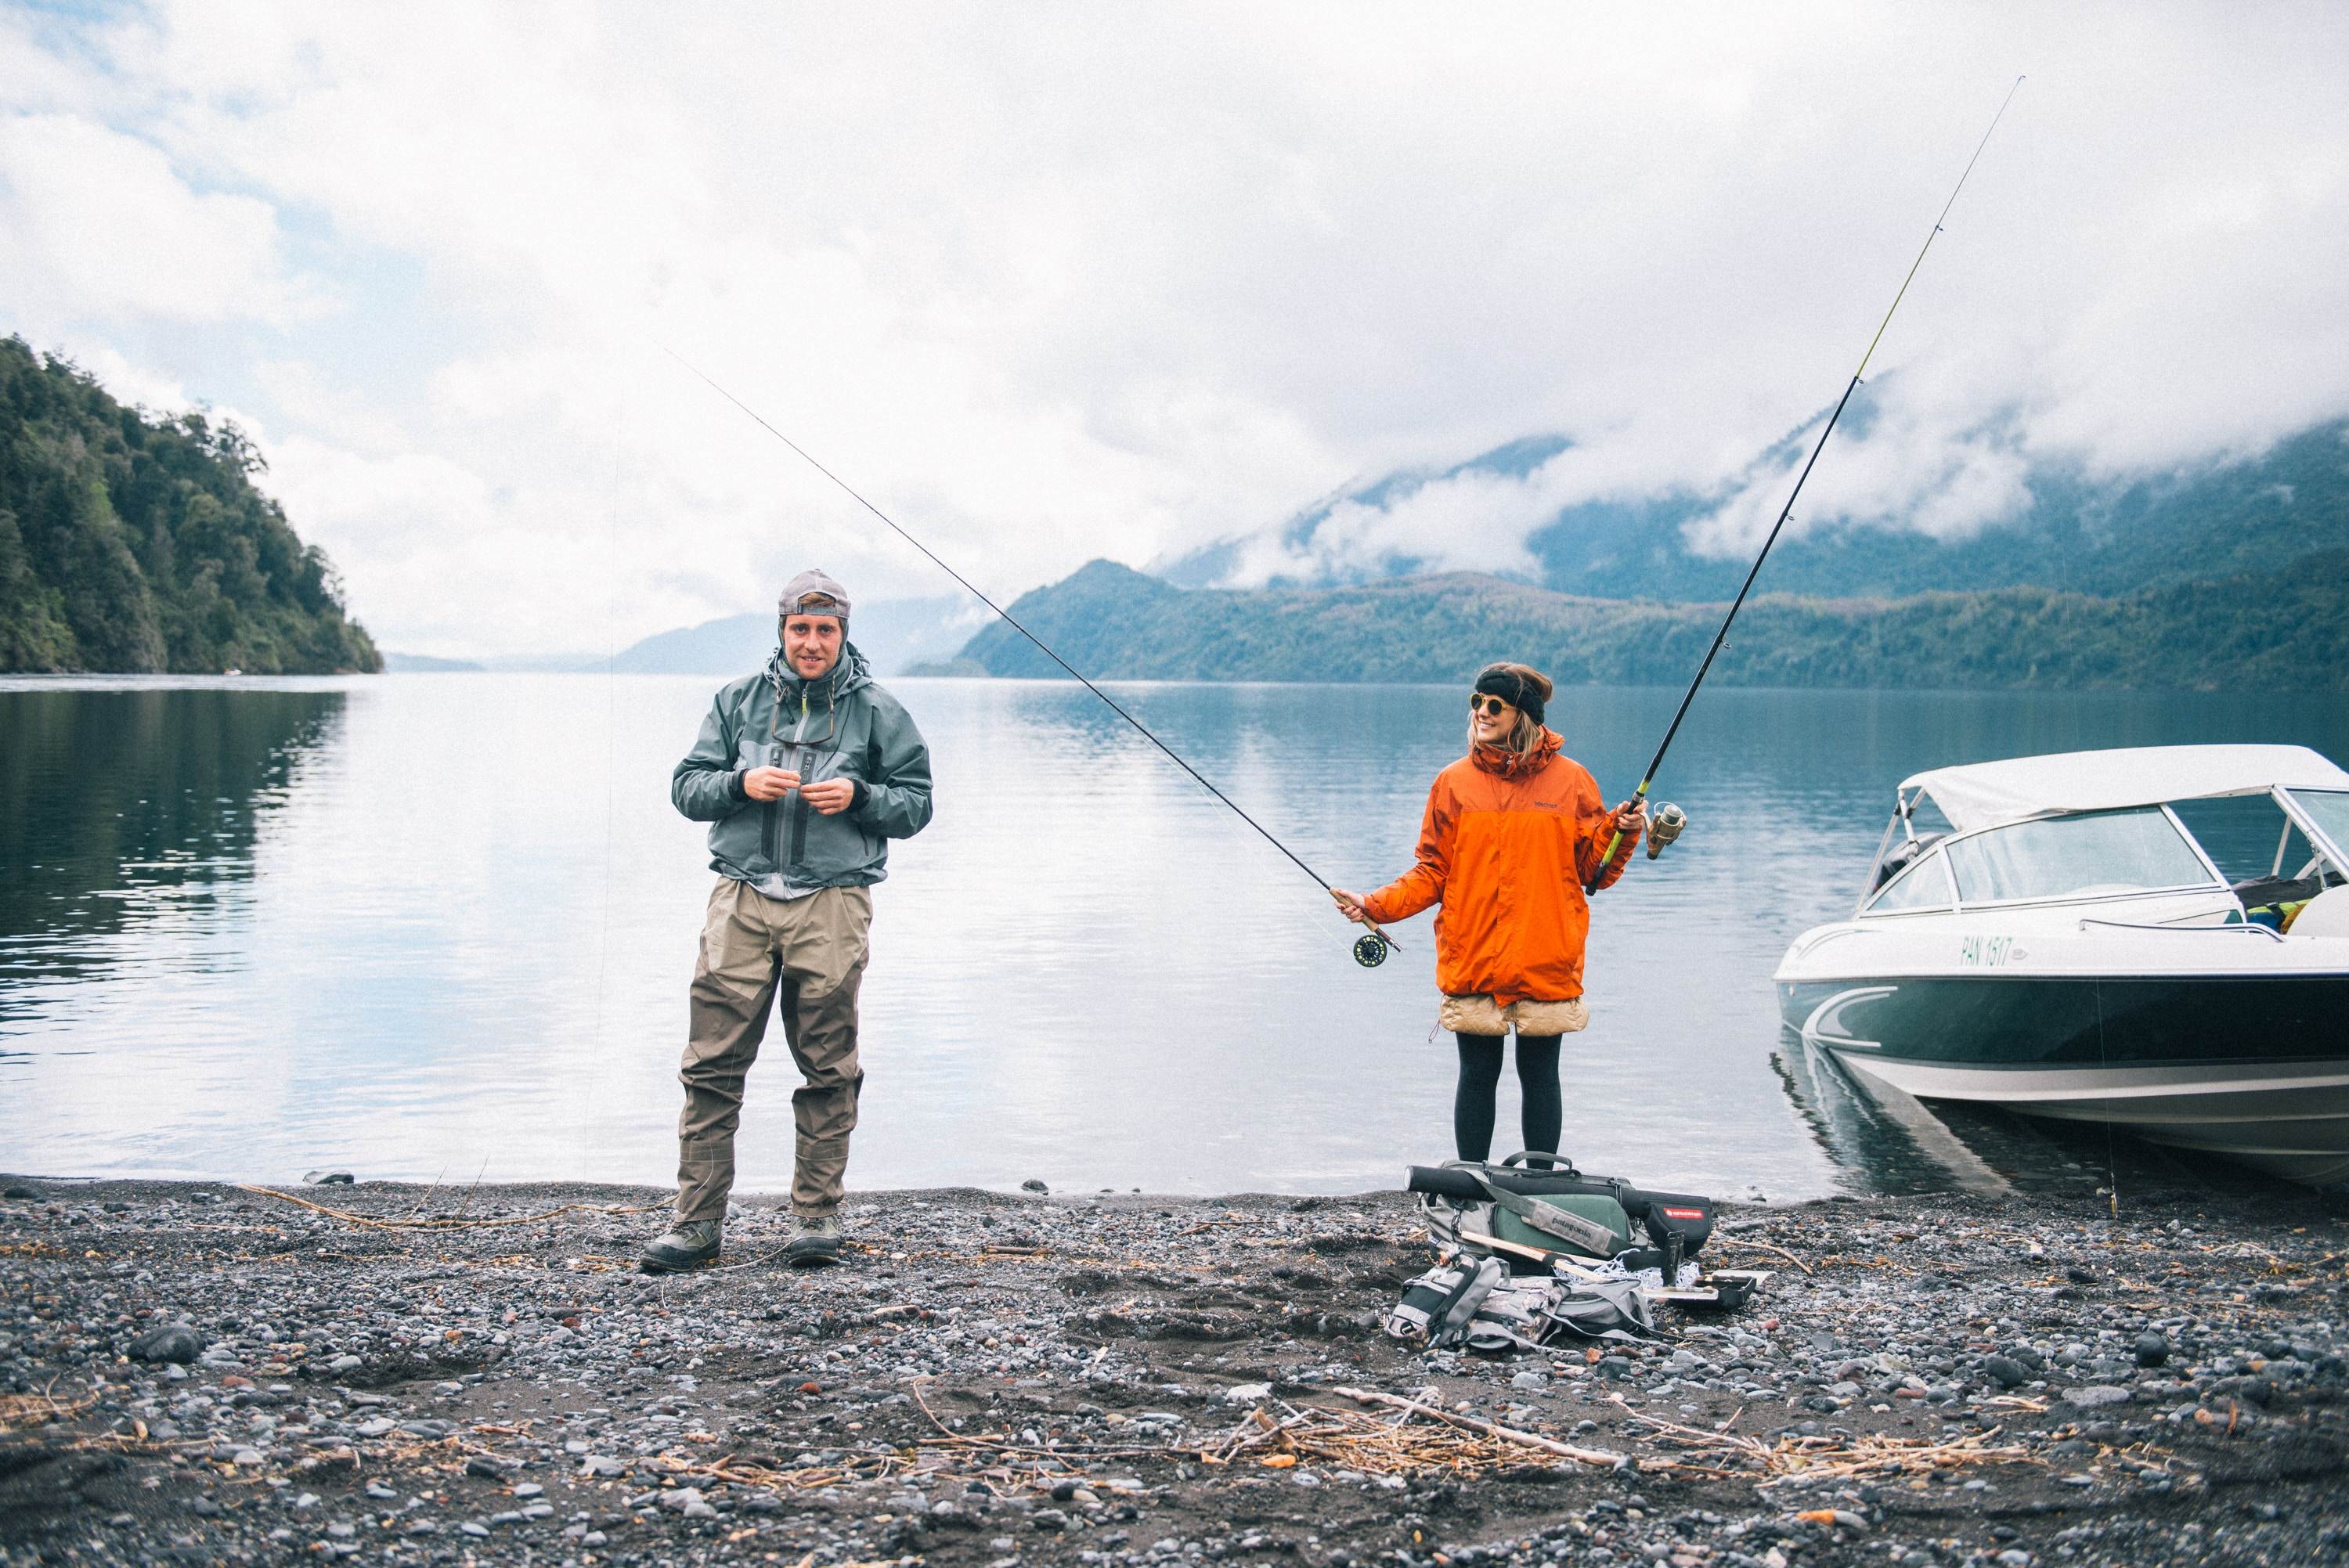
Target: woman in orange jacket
{"x": 1514, "y": 833}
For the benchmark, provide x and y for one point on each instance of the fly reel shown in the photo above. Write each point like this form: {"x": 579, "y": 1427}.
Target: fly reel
{"x": 1371, "y": 950}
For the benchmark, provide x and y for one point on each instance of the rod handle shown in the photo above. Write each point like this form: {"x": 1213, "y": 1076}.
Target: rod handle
{"x": 1614, "y": 843}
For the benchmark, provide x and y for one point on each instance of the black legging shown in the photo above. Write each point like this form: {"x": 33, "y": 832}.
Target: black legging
{"x": 1480, "y": 1075}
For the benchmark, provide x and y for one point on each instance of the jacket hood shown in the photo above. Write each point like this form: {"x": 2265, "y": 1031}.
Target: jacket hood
{"x": 852, "y": 671}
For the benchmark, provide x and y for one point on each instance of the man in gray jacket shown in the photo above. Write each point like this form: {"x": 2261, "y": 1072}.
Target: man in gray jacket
{"x": 804, "y": 772}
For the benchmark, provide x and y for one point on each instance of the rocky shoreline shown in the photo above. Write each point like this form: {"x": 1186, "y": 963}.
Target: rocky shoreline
{"x": 201, "y": 1373}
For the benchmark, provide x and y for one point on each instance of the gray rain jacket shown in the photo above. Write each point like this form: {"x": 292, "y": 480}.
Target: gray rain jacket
{"x": 841, "y": 727}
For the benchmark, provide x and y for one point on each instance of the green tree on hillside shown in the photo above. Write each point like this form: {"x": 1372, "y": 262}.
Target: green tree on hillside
{"x": 134, "y": 542}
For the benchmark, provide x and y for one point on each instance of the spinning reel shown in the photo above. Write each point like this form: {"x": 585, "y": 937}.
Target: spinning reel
{"x": 1665, "y": 825}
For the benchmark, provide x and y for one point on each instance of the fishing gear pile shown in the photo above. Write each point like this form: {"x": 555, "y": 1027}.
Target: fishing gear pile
{"x": 1532, "y": 1252}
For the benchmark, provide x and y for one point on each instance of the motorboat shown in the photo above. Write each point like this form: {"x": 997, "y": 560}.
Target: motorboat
{"x": 2154, "y": 937}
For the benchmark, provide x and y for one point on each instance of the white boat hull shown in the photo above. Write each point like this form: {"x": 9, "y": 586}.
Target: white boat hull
{"x": 2292, "y": 1121}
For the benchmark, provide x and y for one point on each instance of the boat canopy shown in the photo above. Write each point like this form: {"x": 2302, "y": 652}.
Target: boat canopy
{"x": 1985, "y": 794}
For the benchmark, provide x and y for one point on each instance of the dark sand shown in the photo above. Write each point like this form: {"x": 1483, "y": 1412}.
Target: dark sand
{"x": 996, "y": 1377}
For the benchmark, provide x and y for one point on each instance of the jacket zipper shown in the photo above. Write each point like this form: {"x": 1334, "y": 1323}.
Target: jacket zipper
{"x": 799, "y": 798}
{"x": 769, "y": 814}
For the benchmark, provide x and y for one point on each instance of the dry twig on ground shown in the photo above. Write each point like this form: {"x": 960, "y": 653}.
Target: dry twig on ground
{"x": 1869, "y": 1456}
{"x": 1357, "y": 1441}
{"x": 1470, "y": 1423}
{"x": 1776, "y": 1251}
{"x": 22, "y": 1412}
{"x": 448, "y": 1224}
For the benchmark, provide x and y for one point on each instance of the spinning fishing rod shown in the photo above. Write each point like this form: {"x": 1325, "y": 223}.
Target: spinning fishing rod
{"x": 1788, "y": 510}
{"x": 1370, "y": 951}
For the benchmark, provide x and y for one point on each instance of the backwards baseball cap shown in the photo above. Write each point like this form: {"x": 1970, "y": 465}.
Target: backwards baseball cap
{"x": 813, "y": 592}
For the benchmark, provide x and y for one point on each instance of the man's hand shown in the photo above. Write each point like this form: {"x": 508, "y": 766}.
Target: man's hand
{"x": 1631, "y": 817}
{"x": 1350, "y": 905}
{"x": 769, "y": 783}
{"x": 832, "y": 797}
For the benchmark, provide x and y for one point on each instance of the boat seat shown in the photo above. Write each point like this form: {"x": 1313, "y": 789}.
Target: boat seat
{"x": 2274, "y": 901}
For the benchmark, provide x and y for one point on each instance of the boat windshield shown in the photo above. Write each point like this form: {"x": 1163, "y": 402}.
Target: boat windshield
{"x": 2091, "y": 854}
{"x": 1923, "y": 885}
{"x": 2329, "y": 810}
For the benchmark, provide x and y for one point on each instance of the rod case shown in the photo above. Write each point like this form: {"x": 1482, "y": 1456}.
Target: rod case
{"x": 1675, "y": 1223}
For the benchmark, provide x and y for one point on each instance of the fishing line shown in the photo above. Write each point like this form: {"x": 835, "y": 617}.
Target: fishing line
{"x": 1370, "y": 951}
{"x": 1719, "y": 637}
{"x": 611, "y": 746}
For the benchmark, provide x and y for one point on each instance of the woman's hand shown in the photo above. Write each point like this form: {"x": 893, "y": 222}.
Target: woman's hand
{"x": 1350, "y": 905}
{"x": 1631, "y": 817}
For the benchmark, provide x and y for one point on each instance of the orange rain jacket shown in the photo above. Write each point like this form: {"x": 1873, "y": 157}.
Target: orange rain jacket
{"x": 1506, "y": 858}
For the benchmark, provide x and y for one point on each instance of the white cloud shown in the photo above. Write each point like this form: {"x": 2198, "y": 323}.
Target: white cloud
{"x": 1060, "y": 284}
{"x": 96, "y": 226}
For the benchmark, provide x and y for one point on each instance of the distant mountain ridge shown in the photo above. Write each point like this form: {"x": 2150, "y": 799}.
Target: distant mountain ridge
{"x": 2283, "y": 630}
{"x": 2077, "y": 533}
{"x": 893, "y": 633}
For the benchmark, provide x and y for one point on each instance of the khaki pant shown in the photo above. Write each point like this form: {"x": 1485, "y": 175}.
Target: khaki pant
{"x": 1475, "y": 1013}
{"x": 805, "y": 958}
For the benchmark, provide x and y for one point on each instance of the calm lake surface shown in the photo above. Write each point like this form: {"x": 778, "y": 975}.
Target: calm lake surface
{"x": 441, "y": 928}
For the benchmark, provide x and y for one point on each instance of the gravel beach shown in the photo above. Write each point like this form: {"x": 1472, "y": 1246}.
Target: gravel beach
{"x": 201, "y": 1373}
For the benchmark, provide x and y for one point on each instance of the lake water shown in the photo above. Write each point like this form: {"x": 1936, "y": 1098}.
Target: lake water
{"x": 441, "y": 928}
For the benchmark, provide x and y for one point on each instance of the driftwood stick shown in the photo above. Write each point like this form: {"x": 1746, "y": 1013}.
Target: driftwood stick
{"x": 1506, "y": 1434}
{"x": 1764, "y": 1247}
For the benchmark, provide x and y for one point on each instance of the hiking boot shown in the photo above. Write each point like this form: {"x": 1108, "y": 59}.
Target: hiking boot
{"x": 687, "y": 1244}
{"x": 815, "y": 1239}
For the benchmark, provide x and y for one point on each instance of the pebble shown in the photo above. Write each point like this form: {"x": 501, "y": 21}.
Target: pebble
{"x": 174, "y": 1342}
{"x": 2096, "y": 1394}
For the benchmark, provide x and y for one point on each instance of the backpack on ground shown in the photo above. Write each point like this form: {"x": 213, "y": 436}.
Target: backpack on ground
{"x": 1539, "y": 1207}
{"x": 1436, "y": 1307}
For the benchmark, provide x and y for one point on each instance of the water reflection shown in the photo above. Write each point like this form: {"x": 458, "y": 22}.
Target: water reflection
{"x": 441, "y": 926}
{"x": 122, "y": 808}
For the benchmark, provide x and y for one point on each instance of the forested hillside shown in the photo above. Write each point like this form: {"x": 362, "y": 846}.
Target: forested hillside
{"x": 2284, "y": 630}
{"x": 131, "y": 542}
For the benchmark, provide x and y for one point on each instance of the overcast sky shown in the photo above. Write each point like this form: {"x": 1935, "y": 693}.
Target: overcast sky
{"x": 1053, "y": 282}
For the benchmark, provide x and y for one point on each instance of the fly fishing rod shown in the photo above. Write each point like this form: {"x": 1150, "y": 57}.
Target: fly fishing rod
{"x": 1370, "y": 951}
{"x": 1721, "y": 636}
